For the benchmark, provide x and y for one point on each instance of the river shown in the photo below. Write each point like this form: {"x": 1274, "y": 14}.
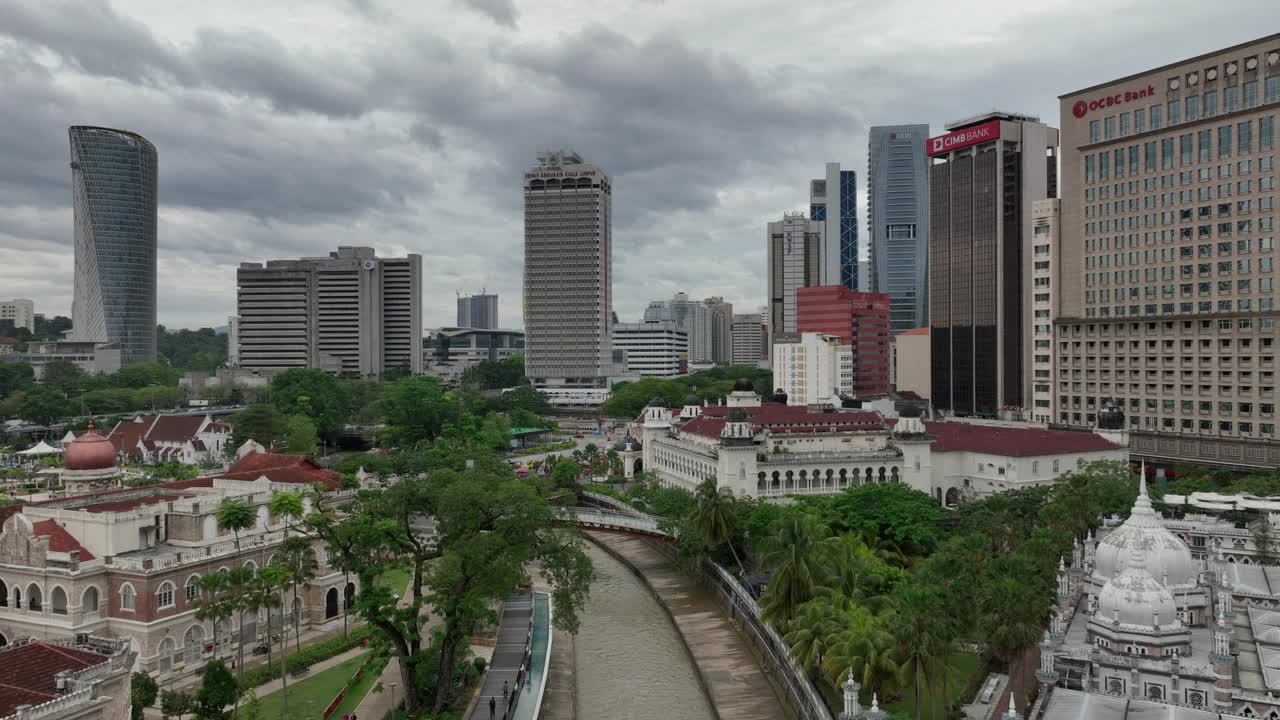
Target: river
{"x": 629, "y": 660}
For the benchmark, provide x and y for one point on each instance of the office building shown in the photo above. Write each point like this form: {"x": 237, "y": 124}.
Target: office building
{"x": 860, "y": 321}
{"x": 813, "y": 369}
{"x": 233, "y": 341}
{"x": 1166, "y": 278}
{"x": 18, "y": 314}
{"x": 749, "y": 339}
{"x": 911, "y": 362}
{"x": 568, "y": 272}
{"x": 478, "y": 311}
{"x": 898, "y": 221}
{"x": 796, "y": 253}
{"x": 986, "y": 174}
{"x": 450, "y": 352}
{"x": 693, "y": 317}
{"x": 92, "y": 357}
{"x": 1038, "y": 356}
{"x": 352, "y": 313}
{"x": 113, "y": 190}
{"x": 833, "y": 201}
{"x": 720, "y": 330}
{"x": 652, "y": 349}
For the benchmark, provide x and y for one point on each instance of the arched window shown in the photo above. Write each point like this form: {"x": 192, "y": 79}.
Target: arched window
{"x": 193, "y": 587}
{"x": 1035, "y": 467}
{"x": 164, "y": 596}
{"x": 166, "y": 654}
{"x": 349, "y": 597}
{"x": 210, "y": 530}
{"x": 331, "y": 604}
{"x": 264, "y": 517}
{"x": 128, "y": 598}
{"x": 58, "y": 601}
{"x": 16, "y": 594}
{"x": 34, "y": 598}
{"x": 4, "y": 594}
{"x": 89, "y": 600}
{"x": 193, "y": 644}
{"x": 251, "y": 565}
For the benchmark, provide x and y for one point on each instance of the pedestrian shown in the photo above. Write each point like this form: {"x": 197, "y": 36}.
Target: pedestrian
{"x": 506, "y": 689}
{"x": 493, "y": 705}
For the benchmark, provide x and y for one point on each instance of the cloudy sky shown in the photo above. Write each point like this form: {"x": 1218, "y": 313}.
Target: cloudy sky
{"x": 285, "y": 129}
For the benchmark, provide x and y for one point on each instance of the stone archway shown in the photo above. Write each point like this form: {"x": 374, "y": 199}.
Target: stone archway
{"x": 953, "y": 497}
{"x": 3, "y": 640}
{"x": 331, "y": 604}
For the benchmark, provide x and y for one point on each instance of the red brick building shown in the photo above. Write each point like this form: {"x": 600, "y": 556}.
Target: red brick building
{"x": 860, "y": 320}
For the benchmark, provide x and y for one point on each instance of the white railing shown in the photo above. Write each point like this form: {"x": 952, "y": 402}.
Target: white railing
{"x": 612, "y": 502}
{"x": 197, "y": 554}
{"x": 609, "y": 518}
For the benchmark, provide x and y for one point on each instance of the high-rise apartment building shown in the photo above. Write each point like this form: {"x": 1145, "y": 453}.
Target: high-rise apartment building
{"x": 1166, "y": 281}
{"x": 720, "y": 328}
{"x": 987, "y": 172}
{"x": 749, "y": 339}
{"x": 568, "y": 276}
{"x": 352, "y": 313}
{"x": 693, "y": 317}
{"x": 813, "y": 369}
{"x": 860, "y": 321}
{"x": 652, "y": 349}
{"x": 478, "y": 311}
{"x": 833, "y": 201}
{"x": 20, "y": 313}
{"x": 898, "y": 221}
{"x": 1046, "y": 243}
{"x": 113, "y": 191}
{"x": 796, "y": 259}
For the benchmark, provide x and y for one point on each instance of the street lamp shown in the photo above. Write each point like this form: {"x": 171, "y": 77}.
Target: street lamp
{"x": 393, "y": 695}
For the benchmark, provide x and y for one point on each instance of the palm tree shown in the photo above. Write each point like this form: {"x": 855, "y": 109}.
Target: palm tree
{"x": 290, "y": 505}
{"x": 864, "y": 647}
{"x": 299, "y": 558}
{"x": 714, "y": 516}
{"x": 234, "y": 516}
{"x": 217, "y": 600}
{"x": 918, "y": 612}
{"x": 795, "y": 556}
{"x": 813, "y": 627}
{"x": 239, "y": 580}
{"x": 1013, "y": 616}
{"x": 854, "y": 574}
{"x": 266, "y": 593}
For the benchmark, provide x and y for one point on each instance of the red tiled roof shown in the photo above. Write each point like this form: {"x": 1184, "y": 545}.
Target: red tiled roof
{"x": 1013, "y": 442}
{"x": 782, "y": 419}
{"x": 915, "y": 331}
{"x": 281, "y": 468}
{"x": 27, "y": 673}
{"x": 59, "y": 539}
{"x": 8, "y": 341}
{"x": 175, "y": 428}
{"x": 126, "y": 434}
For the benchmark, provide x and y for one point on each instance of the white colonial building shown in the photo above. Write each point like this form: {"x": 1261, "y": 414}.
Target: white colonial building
{"x": 766, "y": 449}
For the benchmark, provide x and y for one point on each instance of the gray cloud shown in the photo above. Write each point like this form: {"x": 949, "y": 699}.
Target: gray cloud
{"x": 503, "y": 12}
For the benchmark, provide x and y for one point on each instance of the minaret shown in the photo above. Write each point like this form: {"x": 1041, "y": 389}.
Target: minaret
{"x": 875, "y": 713}
{"x": 1047, "y": 676}
{"x": 851, "y": 707}
{"x": 736, "y": 458}
{"x": 1223, "y": 663}
{"x": 1064, "y": 583}
{"x": 1090, "y": 547}
{"x": 1012, "y": 712}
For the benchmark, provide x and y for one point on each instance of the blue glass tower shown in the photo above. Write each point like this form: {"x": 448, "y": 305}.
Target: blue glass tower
{"x": 834, "y": 201}
{"x": 113, "y": 187}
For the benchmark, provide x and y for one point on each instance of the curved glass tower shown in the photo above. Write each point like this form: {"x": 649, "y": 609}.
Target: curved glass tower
{"x": 113, "y": 187}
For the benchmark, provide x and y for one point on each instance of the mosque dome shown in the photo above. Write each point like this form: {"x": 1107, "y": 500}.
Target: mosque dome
{"x": 1135, "y": 598}
{"x": 692, "y": 400}
{"x": 90, "y": 451}
{"x": 744, "y": 385}
{"x": 1167, "y": 557}
{"x": 658, "y": 402}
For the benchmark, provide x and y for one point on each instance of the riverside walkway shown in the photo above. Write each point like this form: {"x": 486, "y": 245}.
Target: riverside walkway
{"x": 519, "y": 660}
{"x": 730, "y": 672}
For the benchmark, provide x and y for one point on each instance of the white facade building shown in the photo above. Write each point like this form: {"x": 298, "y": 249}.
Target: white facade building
{"x": 652, "y": 349}
{"x": 1038, "y": 358}
{"x": 21, "y": 312}
{"x": 816, "y": 369}
{"x": 568, "y": 272}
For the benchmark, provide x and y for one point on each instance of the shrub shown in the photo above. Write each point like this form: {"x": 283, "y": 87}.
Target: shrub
{"x": 309, "y": 655}
{"x": 479, "y": 664}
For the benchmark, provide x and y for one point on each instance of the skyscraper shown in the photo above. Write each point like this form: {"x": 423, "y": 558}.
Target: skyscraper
{"x": 720, "y": 320}
{"x": 748, "y": 339}
{"x": 478, "y": 311}
{"x": 691, "y": 316}
{"x": 352, "y": 313}
{"x": 568, "y": 272}
{"x": 833, "y": 201}
{"x": 1166, "y": 257}
{"x": 113, "y": 190}
{"x": 987, "y": 172}
{"x": 898, "y": 221}
{"x": 796, "y": 259}
{"x": 859, "y": 320}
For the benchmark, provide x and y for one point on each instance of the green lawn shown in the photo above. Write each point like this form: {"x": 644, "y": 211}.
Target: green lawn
{"x": 310, "y": 696}
{"x": 397, "y": 579}
{"x": 963, "y": 669}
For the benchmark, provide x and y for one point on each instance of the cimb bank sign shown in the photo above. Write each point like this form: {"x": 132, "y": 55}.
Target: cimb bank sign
{"x": 989, "y": 130}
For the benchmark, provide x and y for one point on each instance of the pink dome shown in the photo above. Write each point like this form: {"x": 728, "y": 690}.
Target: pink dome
{"x": 90, "y": 451}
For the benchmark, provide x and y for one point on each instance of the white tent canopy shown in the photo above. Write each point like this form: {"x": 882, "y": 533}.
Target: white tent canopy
{"x": 40, "y": 448}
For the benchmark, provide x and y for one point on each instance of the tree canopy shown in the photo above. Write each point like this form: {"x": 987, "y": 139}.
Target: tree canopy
{"x": 496, "y": 374}
{"x": 260, "y": 422}
{"x": 202, "y": 349}
{"x": 314, "y": 393}
{"x": 416, "y": 409}
{"x": 628, "y": 399}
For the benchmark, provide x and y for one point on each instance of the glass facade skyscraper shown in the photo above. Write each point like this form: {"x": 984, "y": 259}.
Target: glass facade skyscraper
{"x": 833, "y": 201}
{"x": 113, "y": 186}
{"x": 898, "y": 221}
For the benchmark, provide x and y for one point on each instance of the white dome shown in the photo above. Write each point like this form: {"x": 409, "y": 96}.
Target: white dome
{"x": 1136, "y": 599}
{"x": 1168, "y": 559}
